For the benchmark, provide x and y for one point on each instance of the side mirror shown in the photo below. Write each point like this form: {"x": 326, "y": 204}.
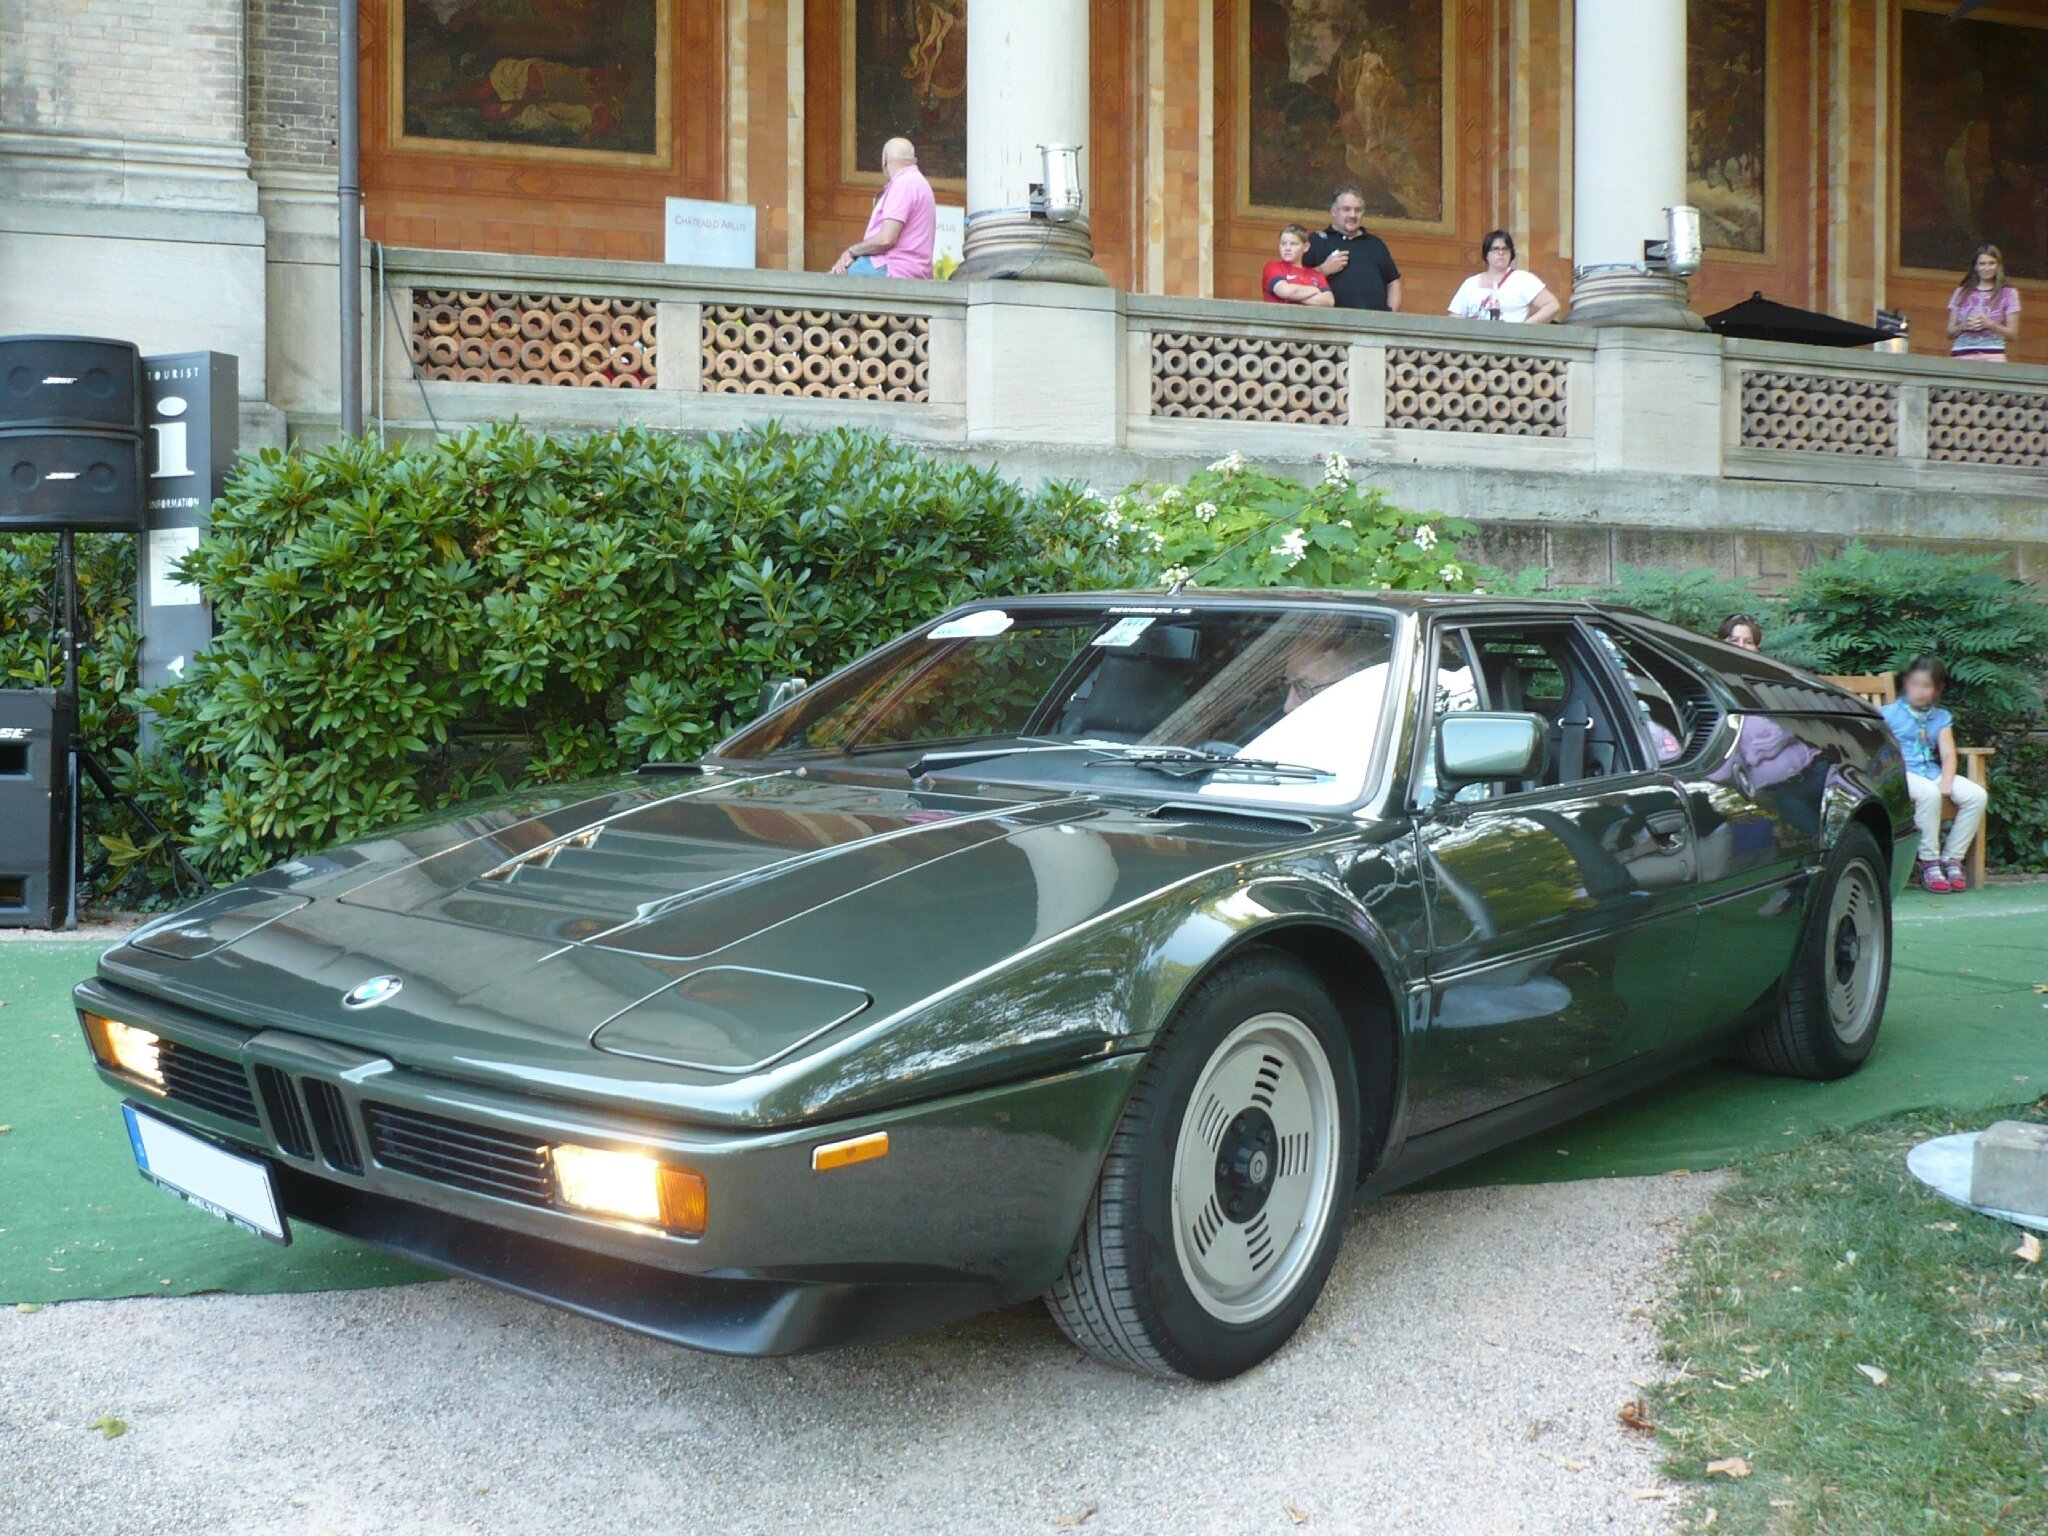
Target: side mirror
{"x": 1477, "y": 746}
{"x": 776, "y": 692}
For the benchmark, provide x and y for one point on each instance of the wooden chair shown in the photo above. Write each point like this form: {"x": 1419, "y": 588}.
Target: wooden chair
{"x": 1880, "y": 689}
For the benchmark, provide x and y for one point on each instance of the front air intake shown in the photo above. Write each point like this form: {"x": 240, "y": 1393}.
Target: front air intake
{"x": 287, "y": 1119}
{"x": 331, "y": 1126}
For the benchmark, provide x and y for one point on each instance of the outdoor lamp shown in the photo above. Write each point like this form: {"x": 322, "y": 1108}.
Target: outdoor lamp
{"x": 1683, "y": 248}
{"x": 1060, "y": 180}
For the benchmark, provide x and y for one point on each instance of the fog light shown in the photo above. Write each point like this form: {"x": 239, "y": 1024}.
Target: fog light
{"x": 126, "y": 1048}
{"x": 630, "y": 1186}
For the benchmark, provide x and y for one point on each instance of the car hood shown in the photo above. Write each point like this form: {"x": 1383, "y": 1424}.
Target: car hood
{"x": 670, "y": 931}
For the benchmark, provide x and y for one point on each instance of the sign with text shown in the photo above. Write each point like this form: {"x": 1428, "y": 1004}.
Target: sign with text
{"x": 949, "y": 240}
{"x": 192, "y": 424}
{"x": 704, "y": 234}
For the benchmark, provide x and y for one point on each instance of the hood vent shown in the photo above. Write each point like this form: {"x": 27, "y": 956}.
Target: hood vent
{"x": 1236, "y": 818}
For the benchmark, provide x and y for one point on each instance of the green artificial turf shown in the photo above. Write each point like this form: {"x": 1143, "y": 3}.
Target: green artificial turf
{"x": 1964, "y": 1031}
{"x": 76, "y": 1219}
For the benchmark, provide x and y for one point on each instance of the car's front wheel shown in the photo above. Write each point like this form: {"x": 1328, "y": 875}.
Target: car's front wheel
{"x": 1221, "y": 1204}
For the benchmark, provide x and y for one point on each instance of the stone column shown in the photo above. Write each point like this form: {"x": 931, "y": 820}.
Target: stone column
{"x": 1628, "y": 159}
{"x": 1027, "y": 85}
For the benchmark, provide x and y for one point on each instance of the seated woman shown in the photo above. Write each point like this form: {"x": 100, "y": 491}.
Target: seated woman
{"x": 1503, "y": 291}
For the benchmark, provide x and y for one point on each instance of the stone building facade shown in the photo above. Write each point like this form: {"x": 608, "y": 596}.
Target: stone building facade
{"x": 167, "y": 173}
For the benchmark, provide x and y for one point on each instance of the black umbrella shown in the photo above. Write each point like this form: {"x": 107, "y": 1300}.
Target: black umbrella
{"x": 1757, "y": 318}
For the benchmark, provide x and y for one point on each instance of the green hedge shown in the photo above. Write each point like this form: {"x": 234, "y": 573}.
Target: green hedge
{"x": 402, "y": 629}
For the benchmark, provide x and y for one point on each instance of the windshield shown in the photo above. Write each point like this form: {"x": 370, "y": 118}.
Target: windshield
{"x": 1266, "y": 703}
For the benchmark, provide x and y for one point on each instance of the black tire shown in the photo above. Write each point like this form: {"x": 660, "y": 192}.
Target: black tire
{"x": 1829, "y": 1011}
{"x": 1127, "y": 1295}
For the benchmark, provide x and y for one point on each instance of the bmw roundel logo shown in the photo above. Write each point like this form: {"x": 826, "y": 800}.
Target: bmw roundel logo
{"x": 368, "y": 994}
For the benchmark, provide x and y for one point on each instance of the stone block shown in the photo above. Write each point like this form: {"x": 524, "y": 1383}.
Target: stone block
{"x": 1045, "y": 363}
{"x": 2009, "y": 1168}
{"x": 1657, "y": 402}
{"x": 1674, "y": 550}
{"x": 1511, "y": 548}
{"x": 1581, "y": 557}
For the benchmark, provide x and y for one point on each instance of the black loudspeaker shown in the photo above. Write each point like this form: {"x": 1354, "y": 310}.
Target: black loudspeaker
{"x": 35, "y": 809}
{"x": 70, "y": 381}
{"x": 87, "y": 482}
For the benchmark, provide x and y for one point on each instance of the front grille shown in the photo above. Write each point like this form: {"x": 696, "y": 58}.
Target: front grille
{"x": 287, "y": 1120}
{"x": 477, "y": 1158}
{"x": 329, "y": 1114}
{"x": 205, "y": 1081}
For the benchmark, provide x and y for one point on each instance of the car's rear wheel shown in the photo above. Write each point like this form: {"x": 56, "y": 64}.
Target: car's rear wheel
{"x": 1832, "y": 999}
{"x": 1221, "y": 1204}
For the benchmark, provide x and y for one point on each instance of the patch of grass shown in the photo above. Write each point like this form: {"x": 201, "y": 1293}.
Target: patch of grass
{"x": 1830, "y": 1257}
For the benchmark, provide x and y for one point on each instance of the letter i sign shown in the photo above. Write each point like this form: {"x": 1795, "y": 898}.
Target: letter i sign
{"x": 173, "y": 456}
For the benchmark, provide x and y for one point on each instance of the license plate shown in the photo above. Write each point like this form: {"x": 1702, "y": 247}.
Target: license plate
{"x": 235, "y": 1188}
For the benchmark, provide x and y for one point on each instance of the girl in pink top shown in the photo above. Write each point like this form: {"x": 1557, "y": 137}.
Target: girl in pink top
{"x": 1984, "y": 311}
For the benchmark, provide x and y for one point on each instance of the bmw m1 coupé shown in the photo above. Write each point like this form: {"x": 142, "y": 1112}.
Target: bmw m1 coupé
{"x": 1099, "y": 948}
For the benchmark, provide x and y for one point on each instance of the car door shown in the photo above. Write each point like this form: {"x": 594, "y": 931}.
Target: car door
{"x": 1756, "y": 789}
{"x": 1561, "y": 911}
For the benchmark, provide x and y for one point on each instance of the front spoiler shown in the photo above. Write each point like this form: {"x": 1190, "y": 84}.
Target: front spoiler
{"x": 727, "y": 1316}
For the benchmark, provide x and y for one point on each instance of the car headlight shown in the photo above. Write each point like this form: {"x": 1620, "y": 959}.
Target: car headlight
{"x": 125, "y": 1048}
{"x": 630, "y": 1186}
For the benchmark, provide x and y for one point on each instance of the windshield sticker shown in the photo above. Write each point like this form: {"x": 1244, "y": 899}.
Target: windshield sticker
{"x": 1123, "y": 632}
{"x": 973, "y": 626}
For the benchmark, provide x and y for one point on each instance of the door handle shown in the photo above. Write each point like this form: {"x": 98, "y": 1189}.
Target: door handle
{"x": 1667, "y": 827}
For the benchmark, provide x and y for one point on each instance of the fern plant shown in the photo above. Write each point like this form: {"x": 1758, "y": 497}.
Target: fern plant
{"x": 1874, "y": 610}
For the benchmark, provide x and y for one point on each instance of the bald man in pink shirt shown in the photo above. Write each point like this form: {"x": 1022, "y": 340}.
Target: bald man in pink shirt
{"x": 904, "y": 226}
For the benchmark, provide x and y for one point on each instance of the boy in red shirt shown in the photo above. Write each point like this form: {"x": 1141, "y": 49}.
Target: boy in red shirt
{"x": 1287, "y": 281}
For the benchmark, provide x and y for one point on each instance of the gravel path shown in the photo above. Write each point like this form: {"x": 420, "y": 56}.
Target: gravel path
{"x": 1461, "y": 1375}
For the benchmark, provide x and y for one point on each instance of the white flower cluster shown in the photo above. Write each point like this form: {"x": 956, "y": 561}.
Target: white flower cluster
{"x": 1294, "y": 545}
{"x": 1452, "y": 573}
{"x": 1158, "y": 539}
{"x": 1091, "y": 494}
{"x": 1173, "y": 575}
{"x": 1336, "y": 469}
{"x": 1425, "y": 537}
{"x": 1112, "y": 517}
{"x": 1205, "y": 511}
{"x": 1170, "y": 496}
{"x": 1230, "y": 464}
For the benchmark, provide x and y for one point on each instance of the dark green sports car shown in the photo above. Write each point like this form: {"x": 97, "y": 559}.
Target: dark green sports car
{"x": 1095, "y": 948}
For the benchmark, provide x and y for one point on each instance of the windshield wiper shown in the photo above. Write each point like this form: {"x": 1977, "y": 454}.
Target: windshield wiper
{"x": 1190, "y": 762}
{"x": 964, "y": 756}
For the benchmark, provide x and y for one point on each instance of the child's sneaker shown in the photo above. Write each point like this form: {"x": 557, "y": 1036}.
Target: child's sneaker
{"x": 1957, "y": 880}
{"x": 1929, "y": 873}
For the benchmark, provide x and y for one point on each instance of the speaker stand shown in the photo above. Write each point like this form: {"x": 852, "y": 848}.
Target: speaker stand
{"x": 81, "y": 759}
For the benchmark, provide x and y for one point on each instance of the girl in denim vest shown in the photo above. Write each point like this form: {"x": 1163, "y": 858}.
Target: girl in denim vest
{"x": 1927, "y": 739}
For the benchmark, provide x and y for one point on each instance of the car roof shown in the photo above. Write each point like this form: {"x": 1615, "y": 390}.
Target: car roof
{"x": 1260, "y": 596}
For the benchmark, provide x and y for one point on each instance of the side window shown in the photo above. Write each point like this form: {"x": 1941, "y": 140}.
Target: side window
{"x": 1674, "y": 708}
{"x": 1548, "y": 670}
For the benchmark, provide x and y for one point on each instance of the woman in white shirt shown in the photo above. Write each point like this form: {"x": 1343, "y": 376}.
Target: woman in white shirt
{"x": 1502, "y": 292}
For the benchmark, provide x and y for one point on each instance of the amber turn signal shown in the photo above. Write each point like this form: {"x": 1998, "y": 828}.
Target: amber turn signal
{"x": 857, "y": 1149}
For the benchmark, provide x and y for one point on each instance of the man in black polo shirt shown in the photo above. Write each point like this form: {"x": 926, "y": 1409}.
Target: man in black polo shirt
{"x": 1359, "y": 266}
